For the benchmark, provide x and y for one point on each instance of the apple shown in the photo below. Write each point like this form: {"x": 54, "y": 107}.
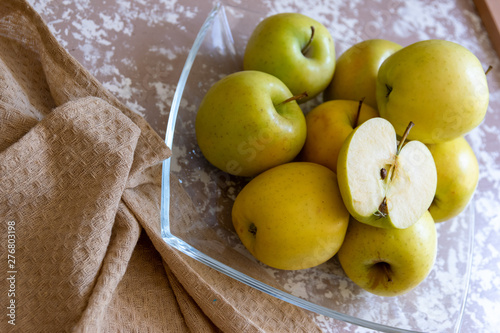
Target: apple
{"x": 457, "y": 177}
{"x": 384, "y": 183}
{"x": 249, "y": 122}
{"x": 328, "y": 125}
{"x": 295, "y": 48}
{"x": 356, "y": 71}
{"x": 291, "y": 216}
{"x": 439, "y": 85}
{"x": 389, "y": 262}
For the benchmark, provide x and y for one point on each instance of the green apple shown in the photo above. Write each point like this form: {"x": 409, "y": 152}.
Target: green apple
{"x": 389, "y": 262}
{"x": 356, "y": 71}
{"x": 457, "y": 177}
{"x": 248, "y": 122}
{"x": 383, "y": 183}
{"x": 295, "y": 48}
{"x": 291, "y": 216}
{"x": 439, "y": 85}
{"x": 328, "y": 125}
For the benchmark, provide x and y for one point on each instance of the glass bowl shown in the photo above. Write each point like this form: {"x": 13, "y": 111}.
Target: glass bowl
{"x": 204, "y": 231}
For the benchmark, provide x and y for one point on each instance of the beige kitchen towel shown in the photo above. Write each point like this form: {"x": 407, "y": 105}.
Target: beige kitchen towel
{"x": 79, "y": 210}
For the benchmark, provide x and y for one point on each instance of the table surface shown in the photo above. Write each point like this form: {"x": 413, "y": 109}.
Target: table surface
{"x": 137, "y": 49}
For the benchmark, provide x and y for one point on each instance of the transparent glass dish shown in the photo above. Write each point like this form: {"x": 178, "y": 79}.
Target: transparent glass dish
{"x": 205, "y": 231}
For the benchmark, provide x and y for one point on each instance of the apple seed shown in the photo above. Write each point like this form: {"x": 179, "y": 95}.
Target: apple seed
{"x": 383, "y": 173}
{"x": 383, "y": 208}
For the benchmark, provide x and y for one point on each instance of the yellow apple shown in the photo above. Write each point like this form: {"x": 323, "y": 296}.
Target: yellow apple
{"x": 246, "y": 123}
{"x": 389, "y": 262}
{"x": 356, "y": 71}
{"x": 438, "y": 85}
{"x": 457, "y": 177}
{"x": 291, "y": 216}
{"x": 295, "y": 48}
{"x": 328, "y": 125}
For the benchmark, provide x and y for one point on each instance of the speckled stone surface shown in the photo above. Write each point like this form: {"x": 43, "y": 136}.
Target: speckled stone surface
{"x": 137, "y": 49}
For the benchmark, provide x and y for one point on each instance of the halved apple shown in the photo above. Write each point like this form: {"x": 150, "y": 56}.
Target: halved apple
{"x": 385, "y": 183}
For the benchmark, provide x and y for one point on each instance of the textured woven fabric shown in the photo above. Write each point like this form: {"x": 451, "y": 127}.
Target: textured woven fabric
{"x": 79, "y": 189}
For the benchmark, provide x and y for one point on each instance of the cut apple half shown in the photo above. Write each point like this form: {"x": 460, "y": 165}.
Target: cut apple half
{"x": 383, "y": 182}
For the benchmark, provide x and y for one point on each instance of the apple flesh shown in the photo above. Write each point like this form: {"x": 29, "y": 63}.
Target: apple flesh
{"x": 247, "y": 123}
{"x": 389, "y": 262}
{"x": 295, "y": 48}
{"x": 382, "y": 183}
{"x": 291, "y": 216}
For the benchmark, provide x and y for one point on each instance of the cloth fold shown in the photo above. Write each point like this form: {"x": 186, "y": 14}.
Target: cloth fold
{"x": 80, "y": 191}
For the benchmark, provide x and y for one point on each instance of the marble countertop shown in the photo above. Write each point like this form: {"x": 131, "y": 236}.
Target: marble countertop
{"x": 137, "y": 49}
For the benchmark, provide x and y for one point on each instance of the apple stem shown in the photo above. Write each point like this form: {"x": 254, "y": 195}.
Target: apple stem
{"x": 488, "y": 70}
{"x": 384, "y": 174}
{"x": 403, "y": 139}
{"x": 294, "y": 98}
{"x": 308, "y": 45}
{"x": 359, "y": 111}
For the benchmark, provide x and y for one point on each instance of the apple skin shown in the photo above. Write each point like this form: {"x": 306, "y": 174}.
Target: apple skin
{"x": 242, "y": 126}
{"x": 328, "y": 125}
{"x": 275, "y": 47}
{"x": 407, "y": 254}
{"x": 297, "y": 214}
{"x": 439, "y": 85}
{"x": 457, "y": 178}
{"x": 356, "y": 71}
